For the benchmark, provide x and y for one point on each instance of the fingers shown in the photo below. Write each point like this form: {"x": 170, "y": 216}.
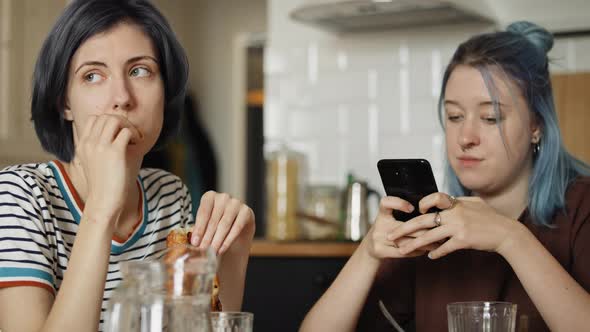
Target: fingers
{"x": 390, "y": 203}
{"x": 384, "y": 251}
{"x": 414, "y": 226}
{"x": 219, "y": 203}
{"x": 430, "y": 239}
{"x": 123, "y": 138}
{"x": 245, "y": 216}
{"x": 448, "y": 247}
{"x": 202, "y": 218}
{"x": 113, "y": 126}
{"x": 439, "y": 200}
{"x": 220, "y": 220}
{"x": 226, "y": 223}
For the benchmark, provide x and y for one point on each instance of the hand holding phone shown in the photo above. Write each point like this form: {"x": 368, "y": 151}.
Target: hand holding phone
{"x": 408, "y": 179}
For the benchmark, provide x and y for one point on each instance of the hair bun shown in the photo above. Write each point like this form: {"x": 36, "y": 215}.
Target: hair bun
{"x": 537, "y": 35}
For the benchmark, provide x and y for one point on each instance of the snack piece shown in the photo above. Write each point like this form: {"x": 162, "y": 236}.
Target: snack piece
{"x": 175, "y": 242}
{"x": 178, "y": 235}
{"x": 215, "y": 302}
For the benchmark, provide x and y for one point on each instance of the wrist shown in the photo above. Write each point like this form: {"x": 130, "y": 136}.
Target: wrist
{"x": 100, "y": 217}
{"x": 515, "y": 239}
{"x": 100, "y": 212}
{"x": 366, "y": 257}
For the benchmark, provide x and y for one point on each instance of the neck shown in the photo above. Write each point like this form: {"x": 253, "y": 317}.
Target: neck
{"x": 512, "y": 200}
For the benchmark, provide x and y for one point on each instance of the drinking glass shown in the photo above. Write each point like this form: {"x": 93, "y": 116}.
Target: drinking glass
{"x": 232, "y": 321}
{"x": 481, "y": 316}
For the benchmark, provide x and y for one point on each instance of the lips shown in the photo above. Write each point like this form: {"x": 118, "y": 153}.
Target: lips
{"x": 468, "y": 161}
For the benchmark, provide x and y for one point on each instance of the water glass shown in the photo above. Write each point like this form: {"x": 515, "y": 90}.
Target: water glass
{"x": 481, "y": 316}
{"x": 232, "y": 321}
{"x": 157, "y": 313}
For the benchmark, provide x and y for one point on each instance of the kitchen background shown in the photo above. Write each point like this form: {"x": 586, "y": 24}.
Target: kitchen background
{"x": 348, "y": 100}
{"x": 339, "y": 100}
{"x": 345, "y": 100}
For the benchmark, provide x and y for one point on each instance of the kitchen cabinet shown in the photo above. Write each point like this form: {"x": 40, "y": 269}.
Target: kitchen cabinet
{"x": 23, "y": 27}
{"x": 571, "y": 102}
{"x": 284, "y": 280}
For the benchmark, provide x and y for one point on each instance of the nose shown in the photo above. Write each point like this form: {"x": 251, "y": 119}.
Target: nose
{"x": 122, "y": 95}
{"x": 469, "y": 134}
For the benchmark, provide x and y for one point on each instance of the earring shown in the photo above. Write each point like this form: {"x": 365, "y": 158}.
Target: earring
{"x": 536, "y": 149}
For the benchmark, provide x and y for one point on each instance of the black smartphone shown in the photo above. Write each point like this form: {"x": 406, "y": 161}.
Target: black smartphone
{"x": 409, "y": 179}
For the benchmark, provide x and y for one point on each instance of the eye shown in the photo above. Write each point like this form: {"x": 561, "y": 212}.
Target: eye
{"x": 492, "y": 119}
{"x": 454, "y": 118}
{"x": 140, "y": 72}
{"x": 92, "y": 77}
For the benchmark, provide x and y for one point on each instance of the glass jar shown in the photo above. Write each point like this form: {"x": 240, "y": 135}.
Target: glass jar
{"x": 321, "y": 220}
{"x": 171, "y": 294}
{"x": 285, "y": 179}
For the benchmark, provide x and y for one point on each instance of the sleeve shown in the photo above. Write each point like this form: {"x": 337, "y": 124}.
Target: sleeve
{"x": 581, "y": 238}
{"x": 25, "y": 251}
{"x": 187, "y": 218}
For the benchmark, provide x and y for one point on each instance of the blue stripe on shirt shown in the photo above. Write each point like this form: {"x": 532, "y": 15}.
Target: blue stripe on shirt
{"x": 13, "y": 272}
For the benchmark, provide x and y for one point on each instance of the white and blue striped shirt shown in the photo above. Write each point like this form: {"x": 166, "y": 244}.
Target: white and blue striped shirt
{"x": 40, "y": 214}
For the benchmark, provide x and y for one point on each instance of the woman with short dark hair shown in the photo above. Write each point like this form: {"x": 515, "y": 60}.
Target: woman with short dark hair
{"x": 109, "y": 86}
{"x": 522, "y": 208}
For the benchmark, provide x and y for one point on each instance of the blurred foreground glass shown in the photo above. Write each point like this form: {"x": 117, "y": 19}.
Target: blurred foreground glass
{"x": 171, "y": 294}
{"x": 232, "y": 321}
{"x": 481, "y": 316}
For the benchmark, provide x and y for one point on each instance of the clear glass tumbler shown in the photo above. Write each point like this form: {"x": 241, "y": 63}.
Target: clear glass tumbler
{"x": 232, "y": 321}
{"x": 481, "y": 316}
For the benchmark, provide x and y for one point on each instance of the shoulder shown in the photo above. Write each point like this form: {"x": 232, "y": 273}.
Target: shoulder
{"x": 152, "y": 176}
{"x": 26, "y": 178}
{"x": 577, "y": 201}
{"x": 157, "y": 182}
{"x": 578, "y": 193}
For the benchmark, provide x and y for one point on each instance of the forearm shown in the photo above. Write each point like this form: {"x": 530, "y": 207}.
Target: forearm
{"x": 340, "y": 306}
{"x": 78, "y": 302}
{"x": 232, "y": 277}
{"x": 563, "y": 303}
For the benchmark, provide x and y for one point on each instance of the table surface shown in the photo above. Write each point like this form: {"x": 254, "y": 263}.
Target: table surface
{"x": 265, "y": 248}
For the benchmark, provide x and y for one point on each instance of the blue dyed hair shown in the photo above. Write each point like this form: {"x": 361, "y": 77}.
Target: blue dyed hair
{"x": 520, "y": 54}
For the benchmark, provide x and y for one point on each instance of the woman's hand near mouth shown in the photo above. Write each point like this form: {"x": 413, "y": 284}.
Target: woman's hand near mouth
{"x": 102, "y": 152}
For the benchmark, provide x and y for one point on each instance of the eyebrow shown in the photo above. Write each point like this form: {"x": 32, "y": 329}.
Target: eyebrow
{"x": 102, "y": 64}
{"x": 483, "y": 103}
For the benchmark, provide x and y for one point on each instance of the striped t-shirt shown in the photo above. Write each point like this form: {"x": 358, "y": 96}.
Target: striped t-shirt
{"x": 39, "y": 217}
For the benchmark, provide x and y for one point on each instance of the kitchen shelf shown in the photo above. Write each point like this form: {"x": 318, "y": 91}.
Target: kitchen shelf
{"x": 265, "y": 248}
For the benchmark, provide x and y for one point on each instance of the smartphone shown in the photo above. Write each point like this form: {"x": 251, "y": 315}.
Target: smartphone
{"x": 408, "y": 179}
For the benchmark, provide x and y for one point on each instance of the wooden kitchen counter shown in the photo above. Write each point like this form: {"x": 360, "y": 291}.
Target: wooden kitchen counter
{"x": 265, "y": 248}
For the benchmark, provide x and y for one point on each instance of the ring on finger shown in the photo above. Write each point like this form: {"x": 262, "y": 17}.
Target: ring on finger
{"x": 453, "y": 201}
{"x": 437, "y": 219}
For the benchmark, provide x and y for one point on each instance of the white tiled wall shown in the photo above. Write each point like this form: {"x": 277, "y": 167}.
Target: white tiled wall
{"x": 347, "y": 101}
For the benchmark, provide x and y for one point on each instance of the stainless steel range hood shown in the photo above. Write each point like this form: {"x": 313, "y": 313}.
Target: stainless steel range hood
{"x": 362, "y": 15}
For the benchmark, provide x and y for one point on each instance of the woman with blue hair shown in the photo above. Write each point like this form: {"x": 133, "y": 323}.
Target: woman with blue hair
{"x": 522, "y": 205}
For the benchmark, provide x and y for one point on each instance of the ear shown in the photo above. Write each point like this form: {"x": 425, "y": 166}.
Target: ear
{"x": 68, "y": 112}
{"x": 536, "y": 131}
